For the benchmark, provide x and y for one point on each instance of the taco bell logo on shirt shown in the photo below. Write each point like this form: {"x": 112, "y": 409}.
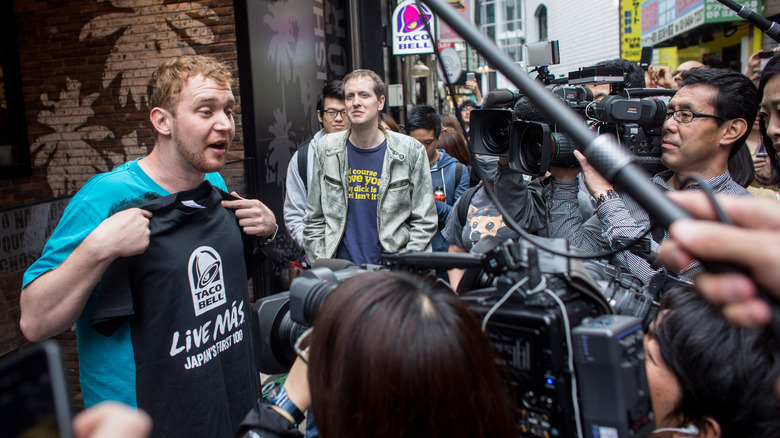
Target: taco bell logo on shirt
{"x": 207, "y": 282}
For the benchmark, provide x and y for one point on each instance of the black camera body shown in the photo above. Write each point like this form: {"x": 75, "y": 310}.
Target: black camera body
{"x": 490, "y": 131}
{"x": 576, "y": 368}
{"x": 533, "y": 144}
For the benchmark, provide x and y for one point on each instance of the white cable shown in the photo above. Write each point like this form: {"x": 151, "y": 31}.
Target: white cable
{"x": 690, "y": 429}
{"x": 570, "y": 350}
{"x": 500, "y": 302}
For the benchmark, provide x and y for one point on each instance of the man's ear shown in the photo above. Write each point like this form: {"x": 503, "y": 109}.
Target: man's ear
{"x": 381, "y": 102}
{"x": 734, "y": 129}
{"x": 161, "y": 120}
{"x": 710, "y": 429}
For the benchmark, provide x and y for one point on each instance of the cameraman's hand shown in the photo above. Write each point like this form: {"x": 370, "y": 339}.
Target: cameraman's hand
{"x": 595, "y": 183}
{"x": 753, "y": 243}
{"x": 112, "y": 420}
{"x": 564, "y": 174}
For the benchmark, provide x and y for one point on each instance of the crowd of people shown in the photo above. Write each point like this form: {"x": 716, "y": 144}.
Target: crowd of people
{"x": 364, "y": 186}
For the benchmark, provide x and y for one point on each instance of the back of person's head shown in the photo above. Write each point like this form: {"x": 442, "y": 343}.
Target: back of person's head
{"x": 378, "y": 84}
{"x": 771, "y": 71}
{"x": 395, "y": 355}
{"x": 423, "y": 117}
{"x": 741, "y": 166}
{"x": 333, "y": 90}
{"x": 737, "y": 97}
{"x": 451, "y": 121}
{"x": 726, "y": 373}
{"x": 389, "y": 122}
{"x": 634, "y": 75}
{"x": 169, "y": 79}
{"x": 454, "y": 144}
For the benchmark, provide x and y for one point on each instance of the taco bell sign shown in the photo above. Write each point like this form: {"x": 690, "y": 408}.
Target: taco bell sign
{"x": 409, "y": 34}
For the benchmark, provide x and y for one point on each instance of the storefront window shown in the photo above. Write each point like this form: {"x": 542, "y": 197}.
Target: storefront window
{"x": 502, "y": 21}
{"x": 14, "y": 149}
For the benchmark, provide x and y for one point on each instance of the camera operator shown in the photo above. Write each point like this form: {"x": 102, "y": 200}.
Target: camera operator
{"x": 633, "y": 74}
{"x": 706, "y": 121}
{"x": 707, "y": 377}
{"x": 482, "y": 217}
{"x": 432, "y": 374}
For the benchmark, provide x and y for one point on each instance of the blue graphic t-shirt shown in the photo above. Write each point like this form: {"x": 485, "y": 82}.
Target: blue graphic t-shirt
{"x": 360, "y": 243}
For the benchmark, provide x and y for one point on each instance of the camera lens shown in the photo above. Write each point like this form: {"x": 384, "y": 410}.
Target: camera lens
{"x": 497, "y": 132}
{"x": 531, "y": 149}
{"x": 563, "y": 150}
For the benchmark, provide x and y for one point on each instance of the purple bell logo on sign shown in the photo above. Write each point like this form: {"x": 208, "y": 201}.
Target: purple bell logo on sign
{"x": 410, "y": 36}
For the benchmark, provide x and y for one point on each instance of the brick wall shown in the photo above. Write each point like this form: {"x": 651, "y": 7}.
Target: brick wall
{"x": 84, "y": 66}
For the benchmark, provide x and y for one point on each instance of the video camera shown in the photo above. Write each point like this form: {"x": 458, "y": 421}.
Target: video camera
{"x": 516, "y": 129}
{"x": 572, "y": 345}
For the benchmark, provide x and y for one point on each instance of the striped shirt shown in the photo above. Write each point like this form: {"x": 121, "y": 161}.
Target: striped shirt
{"x": 616, "y": 219}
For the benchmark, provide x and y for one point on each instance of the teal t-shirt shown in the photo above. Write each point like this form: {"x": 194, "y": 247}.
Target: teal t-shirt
{"x": 106, "y": 364}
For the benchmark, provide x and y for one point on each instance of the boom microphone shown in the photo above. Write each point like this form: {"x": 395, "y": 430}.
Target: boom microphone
{"x": 770, "y": 28}
{"x": 500, "y": 98}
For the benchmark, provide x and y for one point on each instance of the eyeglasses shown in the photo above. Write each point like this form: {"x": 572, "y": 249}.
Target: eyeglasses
{"x": 687, "y": 116}
{"x": 332, "y": 113}
{"x": 301, "y": 345}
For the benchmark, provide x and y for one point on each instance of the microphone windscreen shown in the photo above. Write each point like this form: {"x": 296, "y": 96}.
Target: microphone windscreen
{"x": 500, "y": 97}
{"x": 526, "y": 110}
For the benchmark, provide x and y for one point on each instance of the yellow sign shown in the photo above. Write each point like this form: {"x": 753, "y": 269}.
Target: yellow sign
{"x": 631, "y": 30}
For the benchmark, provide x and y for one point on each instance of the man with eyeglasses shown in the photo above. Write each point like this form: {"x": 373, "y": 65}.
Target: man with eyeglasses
{"x": 332, "y": 115}
{"x": 707, "y": 121}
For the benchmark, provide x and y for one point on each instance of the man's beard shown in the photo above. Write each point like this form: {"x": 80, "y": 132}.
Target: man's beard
{"x": 198, "y": 161}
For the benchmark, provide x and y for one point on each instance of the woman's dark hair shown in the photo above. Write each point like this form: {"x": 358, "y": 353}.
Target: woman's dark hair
{"x": 725, "y": 372}
{"x": 771, "y": 69}
{"x": 468, "y": 104}
{"x": 395, "y": 355}
{"x": 389, "y": 121}
{"x": 451, "y": 121}
{"x": 741, "y": 166}
{"x": 454, "y": 144}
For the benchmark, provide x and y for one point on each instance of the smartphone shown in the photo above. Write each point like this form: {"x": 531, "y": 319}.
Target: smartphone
{"x": 646, "y": 58}
{"x": 33, "y": 396}
{"x": 766, "y": 54}
{"x": 470, "y": 76}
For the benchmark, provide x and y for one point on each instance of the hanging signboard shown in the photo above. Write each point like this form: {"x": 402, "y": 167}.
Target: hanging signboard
{"x": 630, "y": 30}
{"x": 409, "y": 34}
{"x": 664, "y": 19}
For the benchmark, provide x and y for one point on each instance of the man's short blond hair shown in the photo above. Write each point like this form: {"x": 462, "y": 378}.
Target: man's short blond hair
{"x": 379, "y": 84}
{"x": 168, "y": 80}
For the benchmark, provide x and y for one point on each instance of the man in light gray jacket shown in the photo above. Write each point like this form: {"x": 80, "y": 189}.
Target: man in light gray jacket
{"x": 370, "y": 189}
